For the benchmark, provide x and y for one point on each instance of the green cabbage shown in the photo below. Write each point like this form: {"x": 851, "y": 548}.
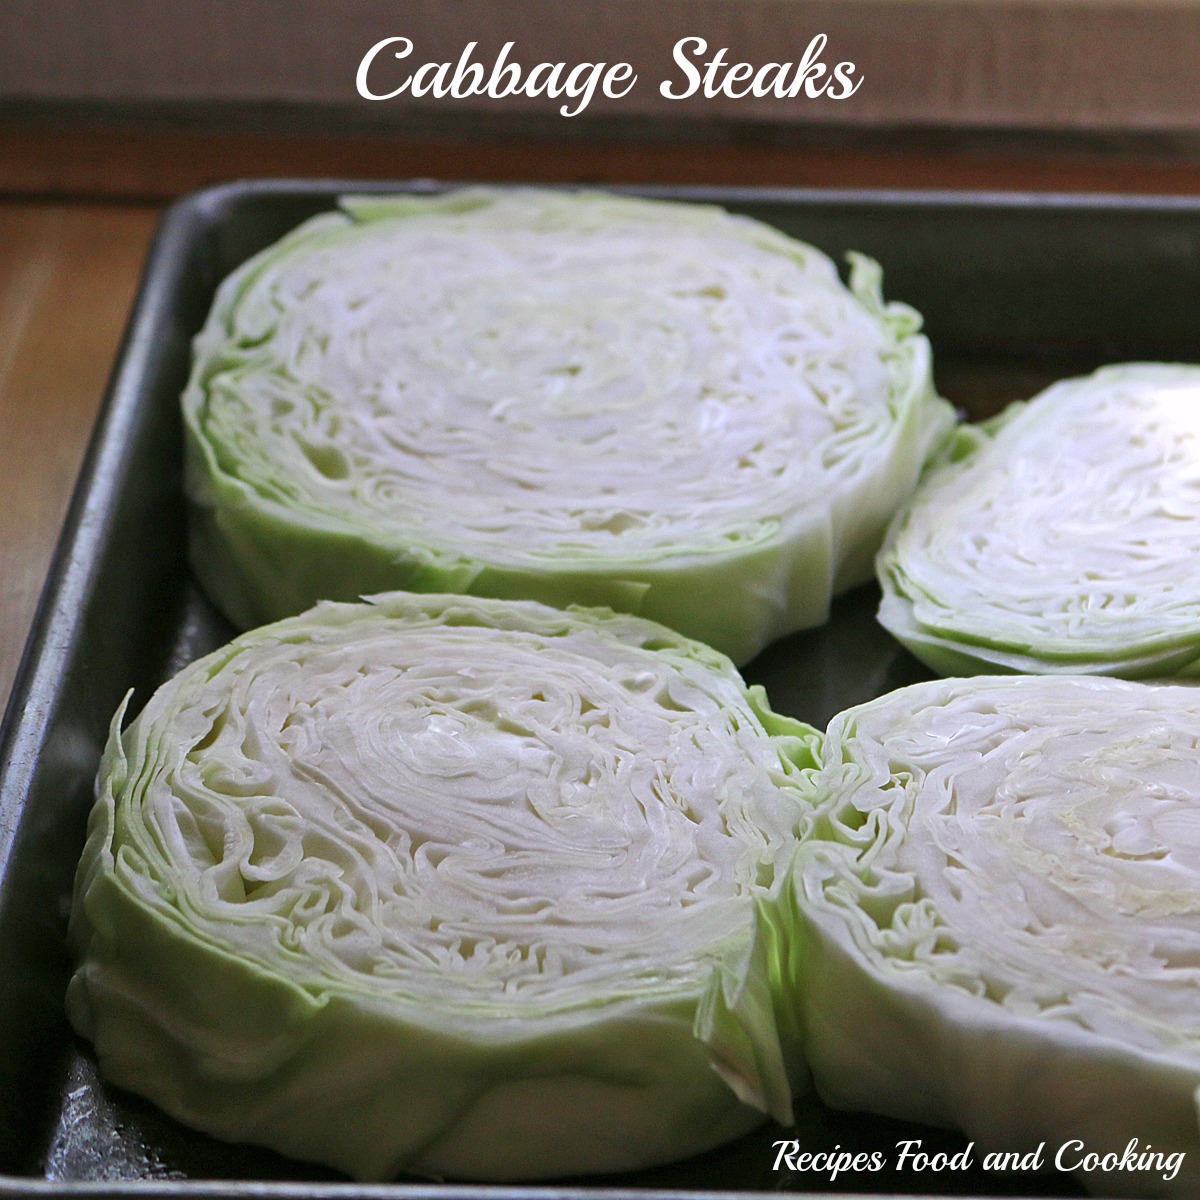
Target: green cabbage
{"x": 573, "y": 398}
{"x": 1060, "y": 537}
{"x": 999, "y": 920}
{"x": 447, "y": 886}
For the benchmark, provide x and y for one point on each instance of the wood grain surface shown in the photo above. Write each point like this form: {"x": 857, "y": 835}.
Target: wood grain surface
{"x": 67, "y": 278}
{"x": 84, "y": 159}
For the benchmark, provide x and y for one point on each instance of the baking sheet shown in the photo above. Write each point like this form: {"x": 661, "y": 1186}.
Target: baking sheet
{"x": 1016, "y": 291}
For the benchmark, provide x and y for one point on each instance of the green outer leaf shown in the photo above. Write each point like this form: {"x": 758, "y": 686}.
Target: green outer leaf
{"x": 216, "y": 1012}
{"x": 980, "y": 942}
{"x": 1058, "y": 538}
{"x": 270, "y": 537}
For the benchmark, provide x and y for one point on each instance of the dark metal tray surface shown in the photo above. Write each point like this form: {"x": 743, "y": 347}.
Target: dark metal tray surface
{"x": 1016, "y": 291}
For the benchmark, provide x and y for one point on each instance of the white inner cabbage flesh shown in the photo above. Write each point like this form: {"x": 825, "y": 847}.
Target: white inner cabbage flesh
{"x": 518, "y": 385}
{"x": 1076, "y": 528}
{"x": 1035, "y": 845}
{"x": 454, "y": 810}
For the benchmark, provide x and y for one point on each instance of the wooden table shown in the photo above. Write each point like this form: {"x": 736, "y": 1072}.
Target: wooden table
{"x": 68, "y": 274}
{"x": 69, "y": 266}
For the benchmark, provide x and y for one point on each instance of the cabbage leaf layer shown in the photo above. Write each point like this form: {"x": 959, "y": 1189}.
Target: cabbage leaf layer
{"x": 574, "y": 398}
{"x": 999, "y": 918}
{"x": 449, "y": 886}
{"x": 1062, "y": 536}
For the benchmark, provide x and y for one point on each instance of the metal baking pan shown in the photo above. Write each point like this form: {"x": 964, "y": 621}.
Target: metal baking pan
{"x": 1016, "y": 291}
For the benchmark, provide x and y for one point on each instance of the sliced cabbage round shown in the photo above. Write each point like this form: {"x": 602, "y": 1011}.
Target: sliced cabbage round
{"x": 574, "y": 398}
{"x": 447, "y": 886}
{"x": 1060, "y": 537}
{"x": 999, "y": 920}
